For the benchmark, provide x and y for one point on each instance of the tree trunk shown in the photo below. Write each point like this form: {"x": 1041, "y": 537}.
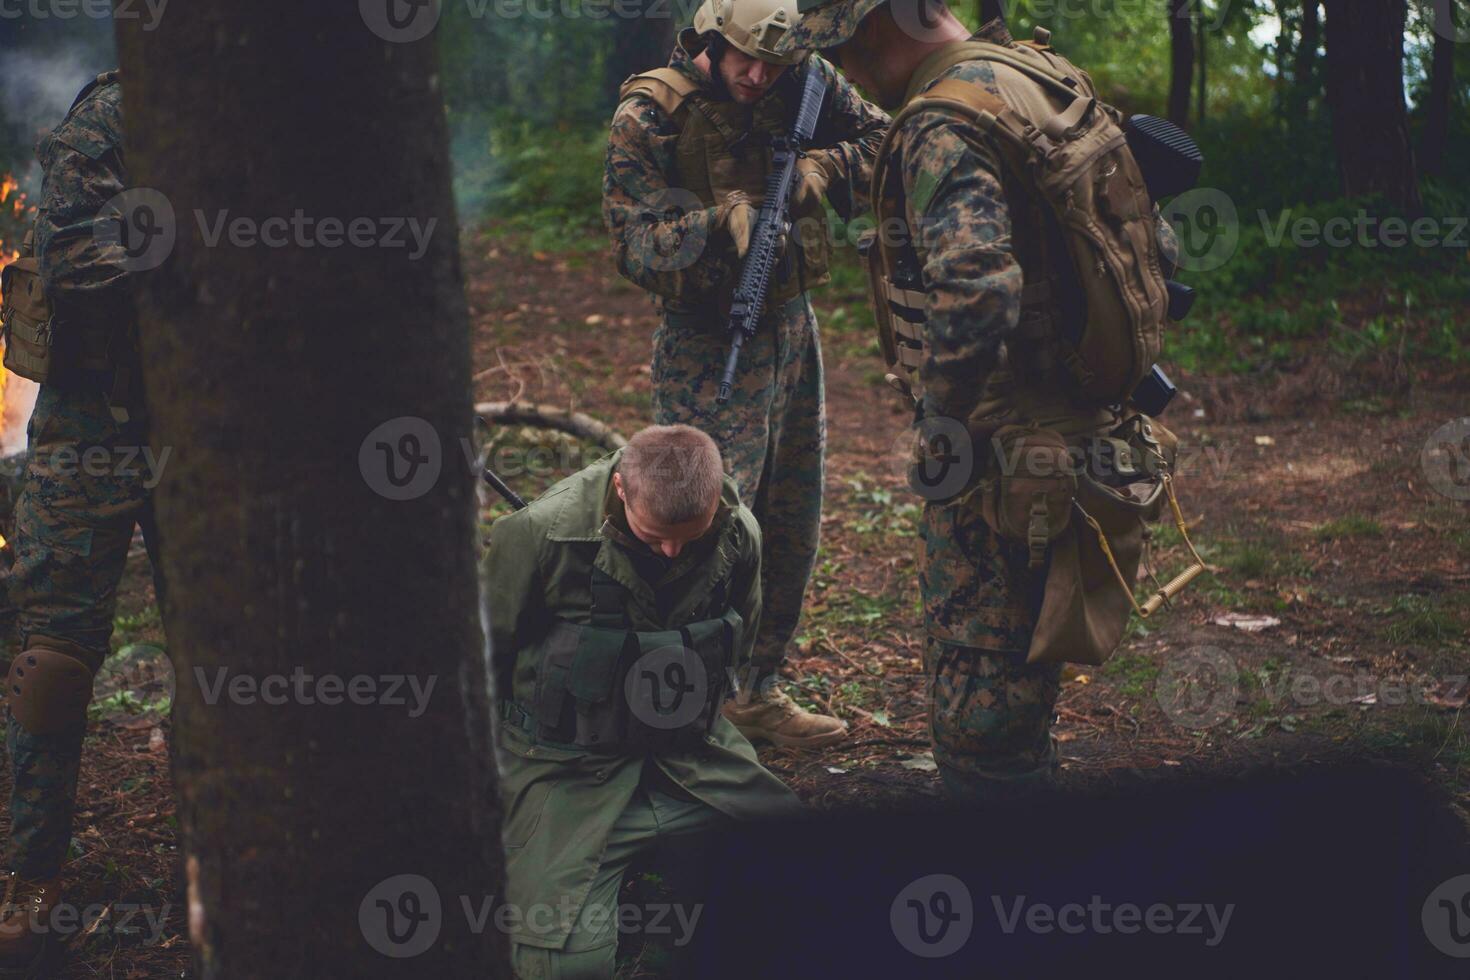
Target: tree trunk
{"x": 641, "y": 42}
{"x": 1441, "y": 100}
{"x": 1181, "y": 41}
{"x": 1199, "y": 20}
{"x": 1365, "y": 91}
{"x": 1304, "y": 83}
{"x": 989, "y": 10}
{"x": 266, "y": 370}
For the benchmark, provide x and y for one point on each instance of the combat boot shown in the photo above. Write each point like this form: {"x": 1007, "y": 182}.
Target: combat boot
{"x": 770, "y": 714}
{"x": 25, "y": 915}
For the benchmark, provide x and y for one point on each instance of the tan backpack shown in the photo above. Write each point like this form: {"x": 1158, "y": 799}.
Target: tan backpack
{"x": 1068, "y": 150}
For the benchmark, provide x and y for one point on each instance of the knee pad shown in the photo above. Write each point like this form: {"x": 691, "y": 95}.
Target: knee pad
{"x": 49, "y": 688}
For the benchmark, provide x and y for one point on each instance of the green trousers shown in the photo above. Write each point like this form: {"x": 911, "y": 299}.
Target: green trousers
{"x": 590, "y": 953}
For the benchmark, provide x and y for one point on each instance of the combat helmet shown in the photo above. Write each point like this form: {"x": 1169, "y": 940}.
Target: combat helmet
{"x": 754, "y": 27}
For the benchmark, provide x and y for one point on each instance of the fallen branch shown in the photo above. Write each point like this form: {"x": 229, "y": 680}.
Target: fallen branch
{"x": 549, "y": 417}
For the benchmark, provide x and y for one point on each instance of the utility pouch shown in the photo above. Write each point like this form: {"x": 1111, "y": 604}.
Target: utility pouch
{"x": 1030, "y": 499}
{"x": 679, "y": 681}
{"x": 576, "y": 687}
{"x": 26, "y": 316}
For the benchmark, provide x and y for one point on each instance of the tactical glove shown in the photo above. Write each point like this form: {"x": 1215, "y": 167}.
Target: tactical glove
{"x": 737, "y": 217}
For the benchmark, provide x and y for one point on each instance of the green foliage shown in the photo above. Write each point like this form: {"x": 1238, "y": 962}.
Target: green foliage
{"x": 1351, "y": 526}
{"x": 1420, "y": 619}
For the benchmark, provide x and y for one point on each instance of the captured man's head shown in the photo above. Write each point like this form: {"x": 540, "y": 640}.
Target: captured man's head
{"x": 669, "y": 479}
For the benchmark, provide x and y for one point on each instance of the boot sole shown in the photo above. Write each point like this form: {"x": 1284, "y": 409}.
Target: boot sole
{"x": 789, "y": 742}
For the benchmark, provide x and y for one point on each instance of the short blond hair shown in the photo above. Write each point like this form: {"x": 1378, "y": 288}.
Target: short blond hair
{"x": 672, "y": 473}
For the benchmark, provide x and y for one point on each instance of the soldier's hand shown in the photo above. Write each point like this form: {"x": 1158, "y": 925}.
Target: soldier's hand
{"x": 811, "y": 184}
{"x": 738, "y": 218}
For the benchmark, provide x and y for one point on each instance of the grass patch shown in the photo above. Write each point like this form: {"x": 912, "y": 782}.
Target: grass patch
{"x": 1420, "y": 619}
{"x": 1132, "y": 674}
{"x": 1351, "y": 526}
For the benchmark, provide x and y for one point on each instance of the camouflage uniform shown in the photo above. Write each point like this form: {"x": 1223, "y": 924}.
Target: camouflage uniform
{"x": 990, "y": 711}
{"x": 86, "y": 484}
{"x": 772, "y": 433}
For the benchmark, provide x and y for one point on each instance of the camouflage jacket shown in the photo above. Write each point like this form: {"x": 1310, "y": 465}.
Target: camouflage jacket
{"x": 956, "y": 206}
{"x": 641, "y": 171}
{"x": 82, "y": 169}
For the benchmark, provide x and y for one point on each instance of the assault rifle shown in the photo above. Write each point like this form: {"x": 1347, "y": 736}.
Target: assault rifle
{"x": 496, "y": 483}
{"x": 772, "y": 225}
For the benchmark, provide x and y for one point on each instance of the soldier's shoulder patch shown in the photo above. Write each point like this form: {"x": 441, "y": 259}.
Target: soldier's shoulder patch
{"x": 95, "y": 127}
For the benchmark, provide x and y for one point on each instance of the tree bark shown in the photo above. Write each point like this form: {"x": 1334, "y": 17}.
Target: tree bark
{"x": 1181, "y": 43}
{"x": 640, "y": 43}
{"x": 266, "y": 369}
{"x": 1435, "y": 137}
{"x": 1365, "y": 91}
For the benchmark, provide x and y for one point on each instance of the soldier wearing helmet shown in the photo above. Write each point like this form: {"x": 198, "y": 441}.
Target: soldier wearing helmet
{"x": 688, "y": 157}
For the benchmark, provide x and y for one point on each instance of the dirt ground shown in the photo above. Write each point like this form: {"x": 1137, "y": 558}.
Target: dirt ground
{"x": 1332, "y": 622}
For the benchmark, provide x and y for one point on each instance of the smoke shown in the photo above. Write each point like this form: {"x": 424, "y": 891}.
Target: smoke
{"x": 40, "y": 76}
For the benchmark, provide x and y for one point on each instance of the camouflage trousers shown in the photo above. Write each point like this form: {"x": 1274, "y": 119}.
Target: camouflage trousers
{"x": 990, "y": 712}
{"x": 86, "y": 487}
{"x": 773, "y": 435}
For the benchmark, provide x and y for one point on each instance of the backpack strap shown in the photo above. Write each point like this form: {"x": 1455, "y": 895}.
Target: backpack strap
{"x": 666, "y": 87}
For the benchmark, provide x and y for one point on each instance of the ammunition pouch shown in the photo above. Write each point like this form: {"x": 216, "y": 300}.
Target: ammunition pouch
{"x": 48, "y": 688}
{"x": 37, "y": 345}
{"x": 1029, "y": 500}
{"x": 621, "y": 691}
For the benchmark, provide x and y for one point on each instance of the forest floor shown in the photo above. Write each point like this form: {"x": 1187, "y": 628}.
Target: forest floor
{"x": 1332, "y": 624}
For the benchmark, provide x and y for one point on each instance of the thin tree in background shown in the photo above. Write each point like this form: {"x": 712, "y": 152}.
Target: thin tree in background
{"x": 1199, "y": 43}
{"x": 1304, "y": 81}
{"x": 1436, "y": 135}
{"x": 1181, "y": 46}
{"x": 640, "y": 42}
{"x": 265, "y": 369}
{"x": 1365, "y": 91}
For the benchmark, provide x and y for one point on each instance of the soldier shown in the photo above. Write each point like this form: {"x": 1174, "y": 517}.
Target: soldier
{"x": 619, "y": 602}
{"x": 972, "y": 263}
{"x": 693, "y": 139}
{"x": 82, "y": 495}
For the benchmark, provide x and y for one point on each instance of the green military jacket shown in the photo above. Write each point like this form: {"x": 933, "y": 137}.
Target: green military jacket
{"x": 561, "y": 803}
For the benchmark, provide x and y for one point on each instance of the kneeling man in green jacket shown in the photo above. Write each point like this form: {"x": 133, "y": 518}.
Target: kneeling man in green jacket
{"x": 623, "y": 604}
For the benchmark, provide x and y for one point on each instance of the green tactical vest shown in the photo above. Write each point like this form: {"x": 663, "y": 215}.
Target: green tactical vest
{"x": 724, "y": 146}
{"x": 606, "y": 688}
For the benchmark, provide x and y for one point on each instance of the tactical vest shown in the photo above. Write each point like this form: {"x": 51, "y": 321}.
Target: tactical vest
{"x": 34, "y": 347}
{"x": 1043, "y": 376}
{"x": 610, "y": 689}
{"x": 724, "y": 146}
